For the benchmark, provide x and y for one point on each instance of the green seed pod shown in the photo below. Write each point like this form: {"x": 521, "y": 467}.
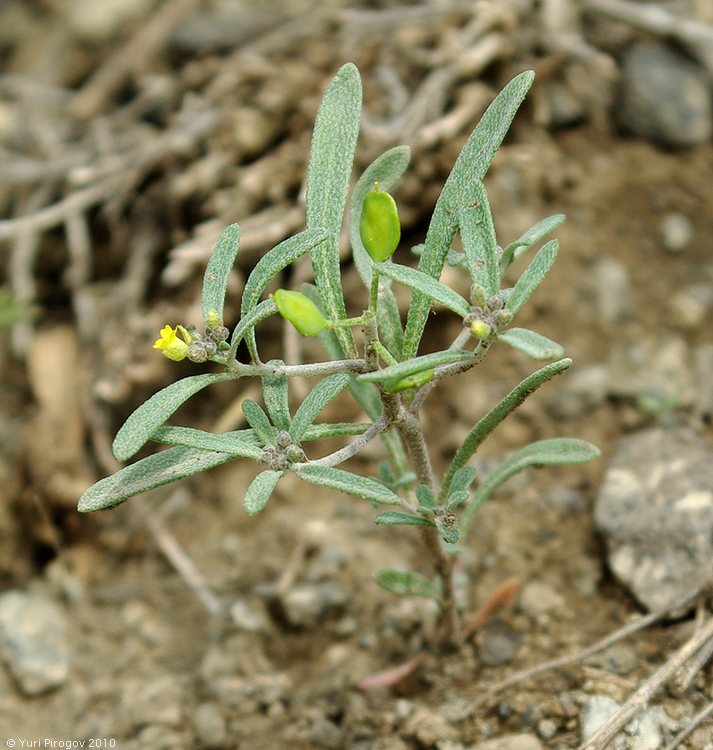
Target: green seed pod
{"x": 304, "y": 315}
{"x": 379, "y": 226}
{"x": 410, "y": 381}
{"x": 480, "y": 329}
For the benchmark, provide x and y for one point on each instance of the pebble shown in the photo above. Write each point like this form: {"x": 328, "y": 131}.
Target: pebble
{"x": 691, "y": 306}
{"x": 209, "y": 726}
{"x": 248, "y": 617}
{"x": 309, "y": 604}
{"x": 428, "y": 727}
{"x": 655, "y": 510}
{"x": 33, "y": 641}
{"x": 664, "y": 97}
{"x": 703, "y": 366}
{"x": 596, "y": 711}
{"x": 619, "y": 659}
{"x": 612, "y": 289}
{"x": 547, "y": 729}
{"x": 511, "y": 742}
{"x": 583, "y": 389}
{"x": 497, "y": 643}
{"x": 537, "y": 598}
{"x": 676, "y": 232}
{"x": 564, "y": 108}
{"x": 325, "y": 733}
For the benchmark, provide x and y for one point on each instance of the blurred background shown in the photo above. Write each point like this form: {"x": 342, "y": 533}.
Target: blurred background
{"x": 131, "y": 133}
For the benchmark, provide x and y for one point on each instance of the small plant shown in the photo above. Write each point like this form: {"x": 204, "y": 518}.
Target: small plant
{"x": 382, "y": 369}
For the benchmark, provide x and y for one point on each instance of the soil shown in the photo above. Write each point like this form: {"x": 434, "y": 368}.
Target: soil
{"x": 306, "y": 624}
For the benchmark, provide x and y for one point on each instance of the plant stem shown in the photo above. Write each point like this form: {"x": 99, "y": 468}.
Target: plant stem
{"x": 314, "y": 368}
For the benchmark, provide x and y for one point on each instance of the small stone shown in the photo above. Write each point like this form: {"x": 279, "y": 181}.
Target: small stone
{"x": 564, "y": 108}
{"x": 428, "y": 727}
{"x": 497, "y": 643}
{"x": 655, "y": 510}
{"x": 325, "y": 733}
{"x": 676, "y": 232}
{"x": 538, "y": 598}
{"x": 308, "y": 605}
{"x": 209, "y": 726}
{"x": 619, "y": 659}
{"x": 33, "y": 641}
{"x": 596, "y": 711}
{"x": 248, "y": 618}
{"x": 691, "y": 307}
{"x": 582, "y": 390}
{"x": 547, "y": 729}
{"x": 665, "y": 97}
{"x": 647, "y": 731}
{"x": 703, "y": 365}
{"x": 612, "y": 290}
{"x": 511, "y": 742}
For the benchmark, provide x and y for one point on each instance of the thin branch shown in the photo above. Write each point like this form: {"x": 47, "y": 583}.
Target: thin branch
{"x": 348, "y": 451}
{"x": 356, "y": 366}
{"x": 696, "y": 721}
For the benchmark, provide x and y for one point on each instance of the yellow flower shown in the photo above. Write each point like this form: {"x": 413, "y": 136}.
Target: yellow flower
{"x": 170, "y": 345}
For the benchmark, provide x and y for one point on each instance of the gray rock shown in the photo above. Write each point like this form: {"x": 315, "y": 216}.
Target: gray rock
{"x": 511, "y": 742}
{"x": 676, "y": 232}
{"x": 703, "y": 365}
{"x": 325, "y": 733}
{"x": 246, "y": 616}
{"x": 538, "y": 598}
{"x": 497, "y": 643}
{"x": 582, "y": 390}
{"x": 209, "y": 726}
{"x": 619, "y": 659}
{"x": 648, "y": 731}
{"x": 308, "y": 604}
{"x": 655, "y": 510}
{"x": 564, "y": 108}
{"x": 692, "y": 305}
{"x": 596, "y": 711}
{"x": 612, "y": 289}
{"x": 33, "y": 641}
{"x": 664, "y": 97}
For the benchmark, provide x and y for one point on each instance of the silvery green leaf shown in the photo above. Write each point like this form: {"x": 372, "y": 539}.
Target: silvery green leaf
{"x": 264, "y": 310}
{"x": 470, "y": 168}
{"x": 532, "y": 276}
{"x": 259, "y": 491}
{"x": 148, "y": 473}
{"x": 272, "y": 263}
{"x": 428, "y": 286}
{"x": 497, "y": 414}
{"x": 398, "y": 518}
{"x": 406, "y": 583}
{"x": 330, "y": 164}
{"x": 533, "y": 344}
{"x": 481, "y": 248}
{"x": 315, "y": 401}
{"x": 275, "y": 394}
{"x": 215, "y": 279}
{"x": 386, "y": 170}
{"x": 243, "y": 443}
{"x": 139, "y": 427}
{"x": 415, "y": 365}
{"x": 332, "y": 429}
{"x": 345, "y": 481}
{"x": 551, "y": 452}
{"x": 391, "y": 329}
{"x": 424, "y": 495}
{"x": 257, "y": 419}
{"x": 460, "y": 486}
{"x": 448, "y": 527}
{"x": 533, "y": 235}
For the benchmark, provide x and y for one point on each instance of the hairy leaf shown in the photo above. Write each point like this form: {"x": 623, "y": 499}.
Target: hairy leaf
{"x": 243, "y": 443}
{"x": 417, "y": 364}
{"x": 148, "y": 473}
{"x": 259, "y": 491}
{"x": 398, "y": 518}
{"x": 481, "y": 248}
{"x": 215, "y": 279}
{"x": 496, "y": 415}
{"x": 533, "y": 344}
{"x": 345, "y": 481}
{"x": 428, "y": 286}
{"x": 139, "y": 427}
{"x": 406, "y": 583}
{"x": 330, "y": 164}
{"x": 257, "y": 419}
{"x": 333, "y": 429}
{"x": 315, "y": 401}
{"x": 246, "y": 324}
{"x": 533, "y": 235}
{"x": 532, "y": 276}
{"x": 275, "y": 393}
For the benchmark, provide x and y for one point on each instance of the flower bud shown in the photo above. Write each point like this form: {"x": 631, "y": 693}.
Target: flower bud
{"x": 480, "y": 329}
{"x": 478, "y": 296}
{"x": 197, "y": 352}
{"x": 503, "y": 317}
{"x": 213, "y": 319}
{"x": 379, "y": 226}
{"x": 304, "y": 315}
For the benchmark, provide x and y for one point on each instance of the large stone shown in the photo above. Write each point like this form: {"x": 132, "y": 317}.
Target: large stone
{"x": 655, "y": 510}
{"x": 665, "y": 97}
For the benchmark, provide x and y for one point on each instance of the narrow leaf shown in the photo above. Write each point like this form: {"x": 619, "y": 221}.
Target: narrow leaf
{"x": 424, "y": 495}
{"x": 397, "y": 518}
{"x": 257, "y": 419}
{"x": 497, "y": 414}
{"x": 272, "y": 263}
{"x": 532, "y": 276}
{"x": 541, "y": 453}
{"x": 243, "y": 443}
{"x": 259, "y": 491}
{"x": 264, "y": 310}
{"x": 533, "y": 344}
{"x": 333, "y": 429}
{"x": 275, "y": 394}
{"x": 315, "y": 401}
{"x": 428, "y": 286}
{"x": 391, "y": 329}
{"x": 139, "y": 427}
{"x": 215, "y": 279}
{"x": 406, "y": 583}
{"x": 469, "y": 169}
{"x": 533, "y": 235}
{"x": 481, "y": 248}
{"x": 386, "y": 170}
{"x": 148, "y": 473}
{"x": 345, "y": 481}
{"x": 332, "y": 153}
{"x": 417, "y": 364}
